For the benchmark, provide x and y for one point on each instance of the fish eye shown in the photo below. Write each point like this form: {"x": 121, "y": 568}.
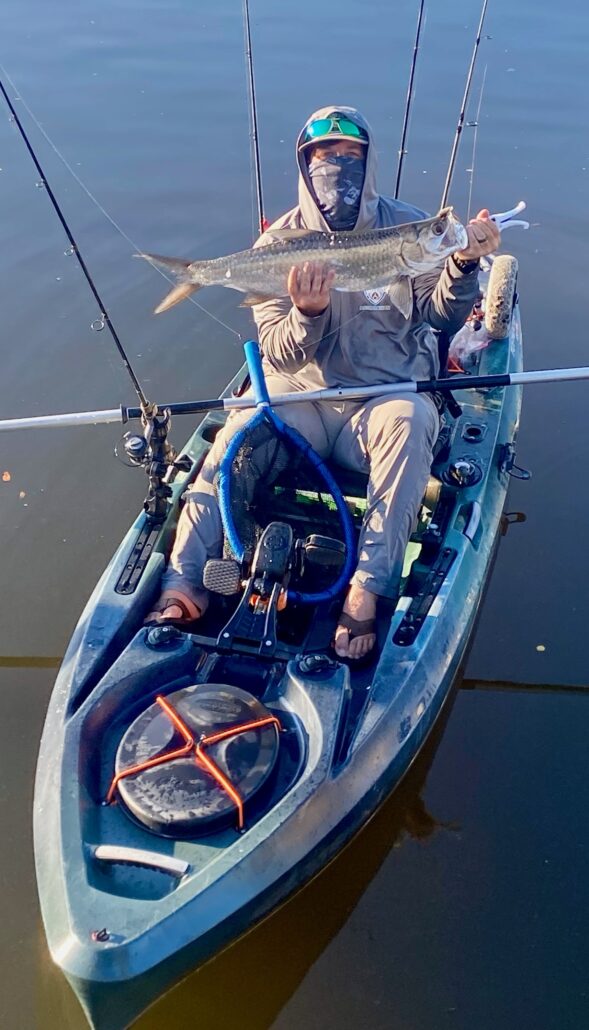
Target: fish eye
{"x": 438, "y": 228}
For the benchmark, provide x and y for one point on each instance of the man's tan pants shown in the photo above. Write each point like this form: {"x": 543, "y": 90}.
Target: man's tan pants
{"x": 390, "y": 438}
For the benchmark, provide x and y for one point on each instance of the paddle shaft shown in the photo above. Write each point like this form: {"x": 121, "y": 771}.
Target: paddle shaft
{"x": 352, "y": 393}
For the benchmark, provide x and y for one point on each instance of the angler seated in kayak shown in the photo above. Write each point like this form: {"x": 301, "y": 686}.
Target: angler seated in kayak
{"x": 319, "y": 337}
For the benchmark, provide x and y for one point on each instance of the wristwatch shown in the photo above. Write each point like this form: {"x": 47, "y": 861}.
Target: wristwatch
{"x": 463, "y": 265}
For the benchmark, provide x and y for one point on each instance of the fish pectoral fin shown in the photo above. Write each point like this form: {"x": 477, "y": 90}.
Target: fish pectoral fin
{"x": 401, "y": 294}
{"x": 256, "y": 298}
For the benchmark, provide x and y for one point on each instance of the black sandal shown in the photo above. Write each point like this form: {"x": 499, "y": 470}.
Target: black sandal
{"x": 173, "y": 602}
{"x": 357, "y": 627}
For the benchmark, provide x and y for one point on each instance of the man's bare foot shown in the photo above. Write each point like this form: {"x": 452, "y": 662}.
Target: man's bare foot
{"x": 174, "y": 607}
{"x": 360, "y": 606}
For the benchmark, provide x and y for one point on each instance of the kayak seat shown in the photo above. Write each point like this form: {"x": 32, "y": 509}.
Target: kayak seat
{"x": 355, "y": 484}
{"x": 350, "y": 482}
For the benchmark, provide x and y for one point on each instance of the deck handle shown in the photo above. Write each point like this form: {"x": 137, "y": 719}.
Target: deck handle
{"x": 118, "y": 855}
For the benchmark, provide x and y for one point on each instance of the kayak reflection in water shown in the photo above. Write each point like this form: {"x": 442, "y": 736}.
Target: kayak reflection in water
{"x": 318, "y": 337}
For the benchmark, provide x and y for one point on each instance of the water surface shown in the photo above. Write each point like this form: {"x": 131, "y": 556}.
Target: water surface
{"x": 483, "y": 922}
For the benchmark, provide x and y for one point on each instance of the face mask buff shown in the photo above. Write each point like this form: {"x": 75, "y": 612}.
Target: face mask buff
{"x": 337, "y": 184}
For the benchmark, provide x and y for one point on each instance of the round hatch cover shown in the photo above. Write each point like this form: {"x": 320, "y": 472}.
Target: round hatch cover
{"x": 180, "y": 797}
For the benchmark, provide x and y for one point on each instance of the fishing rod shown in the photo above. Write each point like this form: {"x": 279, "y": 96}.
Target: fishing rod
{"x": 461, "y": 116}
{"x": 404, "y": 130}
{"x": 262, "y": 224}
{"x": 231, "y": 403}
{"x": 475, "y": 125}
{"x": 104, "y": 318}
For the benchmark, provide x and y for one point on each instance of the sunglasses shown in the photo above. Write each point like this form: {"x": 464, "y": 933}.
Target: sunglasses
{"x": 322, "y": 127}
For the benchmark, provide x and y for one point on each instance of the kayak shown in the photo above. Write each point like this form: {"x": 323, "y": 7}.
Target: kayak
{"x": 190, "y": 779}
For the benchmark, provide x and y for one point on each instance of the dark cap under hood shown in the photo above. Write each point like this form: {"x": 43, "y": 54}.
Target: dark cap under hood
{"x": 367, "y": 215}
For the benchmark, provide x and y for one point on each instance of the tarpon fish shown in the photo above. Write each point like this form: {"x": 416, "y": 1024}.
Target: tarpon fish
{"x": 364, "y": 260}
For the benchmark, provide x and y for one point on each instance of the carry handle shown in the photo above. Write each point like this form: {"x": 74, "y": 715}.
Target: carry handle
{"x": 119, "y": 855}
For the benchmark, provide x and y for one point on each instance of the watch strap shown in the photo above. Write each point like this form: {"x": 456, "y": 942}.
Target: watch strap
{"x": 465, "y": 266}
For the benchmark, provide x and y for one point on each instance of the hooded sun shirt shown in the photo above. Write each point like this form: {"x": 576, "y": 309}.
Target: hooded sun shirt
{"x": 362, "y": 337}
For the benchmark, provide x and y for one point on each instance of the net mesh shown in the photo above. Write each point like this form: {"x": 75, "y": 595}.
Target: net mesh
{"x": 271, "y": 479}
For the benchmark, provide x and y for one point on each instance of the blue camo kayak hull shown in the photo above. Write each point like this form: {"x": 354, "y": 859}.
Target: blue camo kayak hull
{"x": 125, "y": 933}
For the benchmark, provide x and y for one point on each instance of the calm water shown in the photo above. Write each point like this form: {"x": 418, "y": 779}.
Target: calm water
{"x": 464, "y": 904}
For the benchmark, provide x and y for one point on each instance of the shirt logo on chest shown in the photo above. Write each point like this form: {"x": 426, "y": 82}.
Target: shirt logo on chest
{"x": 375, "y": 297}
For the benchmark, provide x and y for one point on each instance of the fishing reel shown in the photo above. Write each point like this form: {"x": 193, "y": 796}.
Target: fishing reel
{"x": 152, "y": 444}
{"x": 139, "y": 453}
{"x": 136, "y": 448}
{"x": 152, "y": 451}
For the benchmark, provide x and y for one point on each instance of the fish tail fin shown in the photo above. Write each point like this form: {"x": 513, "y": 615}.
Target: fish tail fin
{"x": 179, "y": 268}
{"x": 179, "y": 293}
